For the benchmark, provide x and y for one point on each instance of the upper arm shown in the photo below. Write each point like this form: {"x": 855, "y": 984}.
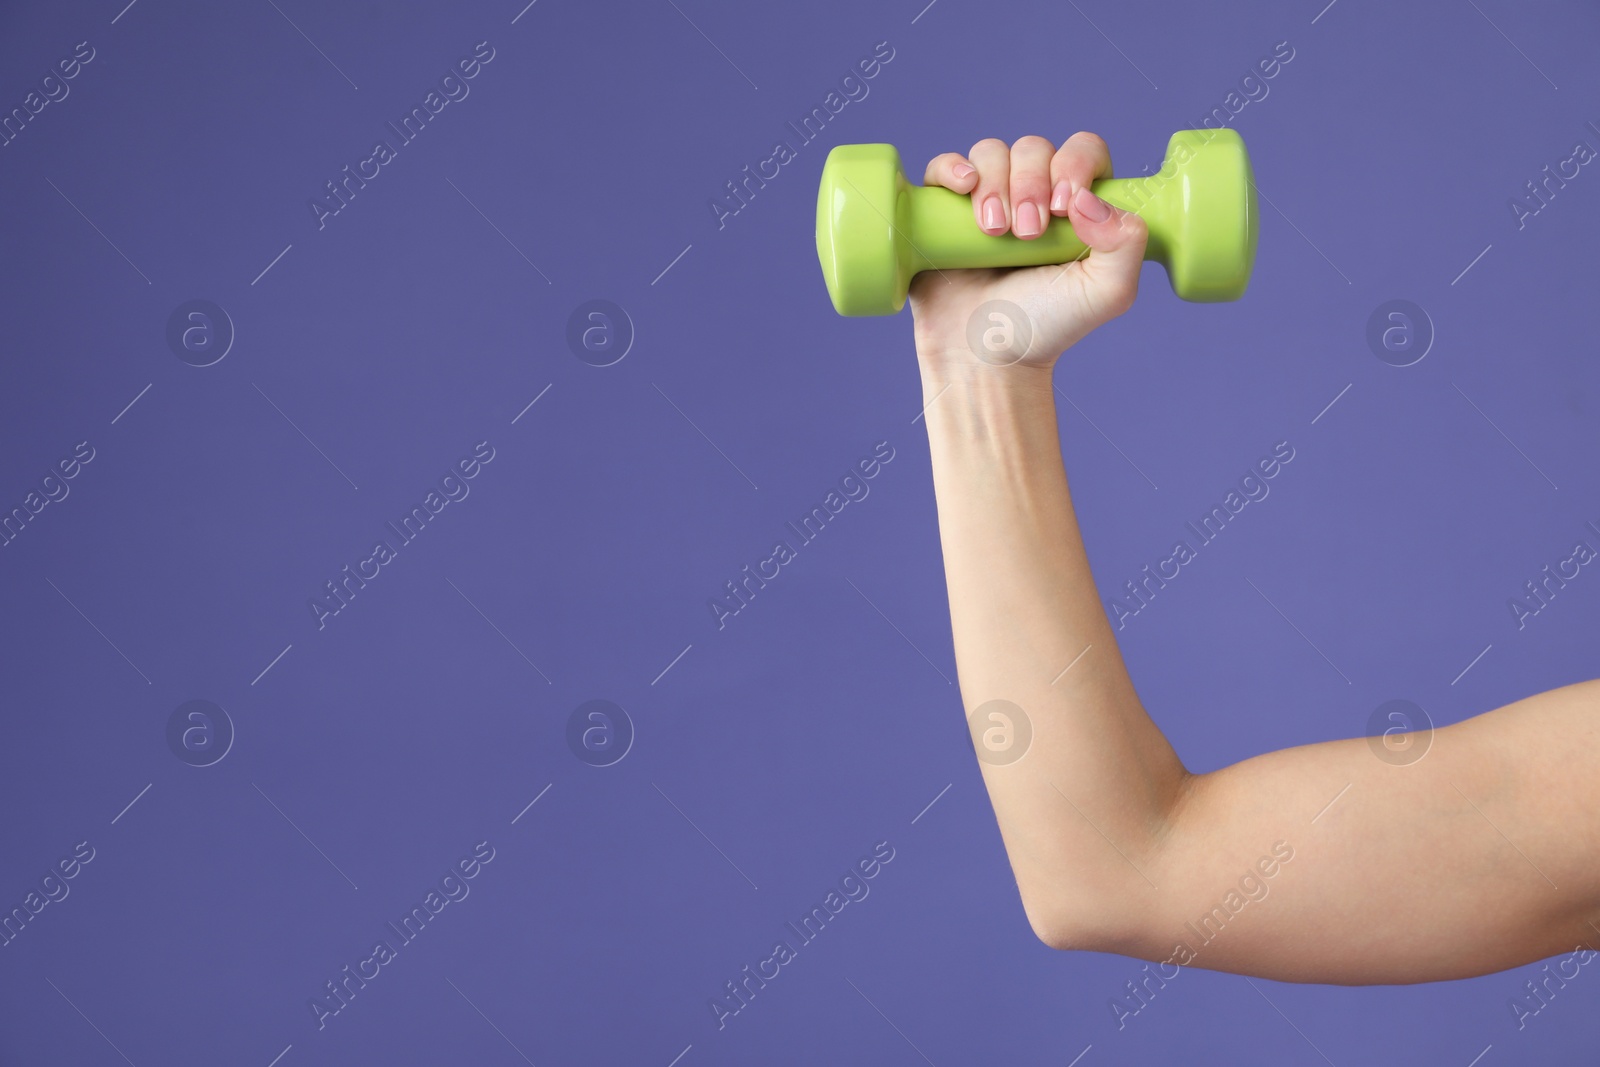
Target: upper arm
{"x": 1476, "y": 857}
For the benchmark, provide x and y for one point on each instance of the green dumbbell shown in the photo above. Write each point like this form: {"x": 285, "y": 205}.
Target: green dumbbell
{"x": 875, "y": 230}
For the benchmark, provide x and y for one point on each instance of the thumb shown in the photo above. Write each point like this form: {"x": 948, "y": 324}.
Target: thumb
{"x": 1117, "y": 240}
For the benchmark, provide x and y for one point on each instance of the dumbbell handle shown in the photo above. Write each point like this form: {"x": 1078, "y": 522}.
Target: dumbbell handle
{"x": 944, "y": 235}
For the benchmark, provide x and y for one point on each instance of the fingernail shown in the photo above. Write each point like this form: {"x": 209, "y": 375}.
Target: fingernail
{"x": 961, "y": 170}
{"x": 994, "y": 216}
{"x": 1027, "y": 219}
{"x": 1092, "y": 207}
{"x": 1061, "y": 197}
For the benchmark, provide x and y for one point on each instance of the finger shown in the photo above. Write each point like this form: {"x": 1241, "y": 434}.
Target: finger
{"x": 1030, "y": 186}
{"x": 951, "y": 170}
{"x": 1081, "y": 159}
{"x": 991, "y": 199}
{"x": 1117, "y": 240}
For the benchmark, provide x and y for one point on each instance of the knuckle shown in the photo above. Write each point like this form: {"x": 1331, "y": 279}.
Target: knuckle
{"x": 1032, "y": 142}
{"x": 1029, "y": 186}
{"x": 991, "y": 181}
{"x": 1085, "y": 139}
{"x": 938, "y": 169}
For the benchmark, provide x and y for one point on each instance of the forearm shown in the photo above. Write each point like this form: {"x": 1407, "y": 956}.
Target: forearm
{"x": 1084, "y": 808}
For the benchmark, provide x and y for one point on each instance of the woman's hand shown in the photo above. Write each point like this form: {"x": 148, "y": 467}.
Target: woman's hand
{"x": 1019, "y": 189}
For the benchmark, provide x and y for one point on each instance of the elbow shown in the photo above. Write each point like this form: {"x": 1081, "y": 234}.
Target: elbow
{"x": 1087, "y": 925}
{"x": 1106, "y": 901}
{"x": 1054, "y": 932}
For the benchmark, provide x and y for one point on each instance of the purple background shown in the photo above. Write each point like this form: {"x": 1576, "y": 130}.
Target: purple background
{"x": 806, "y": 730}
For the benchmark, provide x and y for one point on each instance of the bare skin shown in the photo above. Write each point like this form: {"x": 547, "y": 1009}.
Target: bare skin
{"x": 1483, "y": 855}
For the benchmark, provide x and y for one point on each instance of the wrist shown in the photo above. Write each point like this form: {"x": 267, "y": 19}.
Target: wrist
{"x": 1017, "y": 380}
{"x": 981, "y": 401}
